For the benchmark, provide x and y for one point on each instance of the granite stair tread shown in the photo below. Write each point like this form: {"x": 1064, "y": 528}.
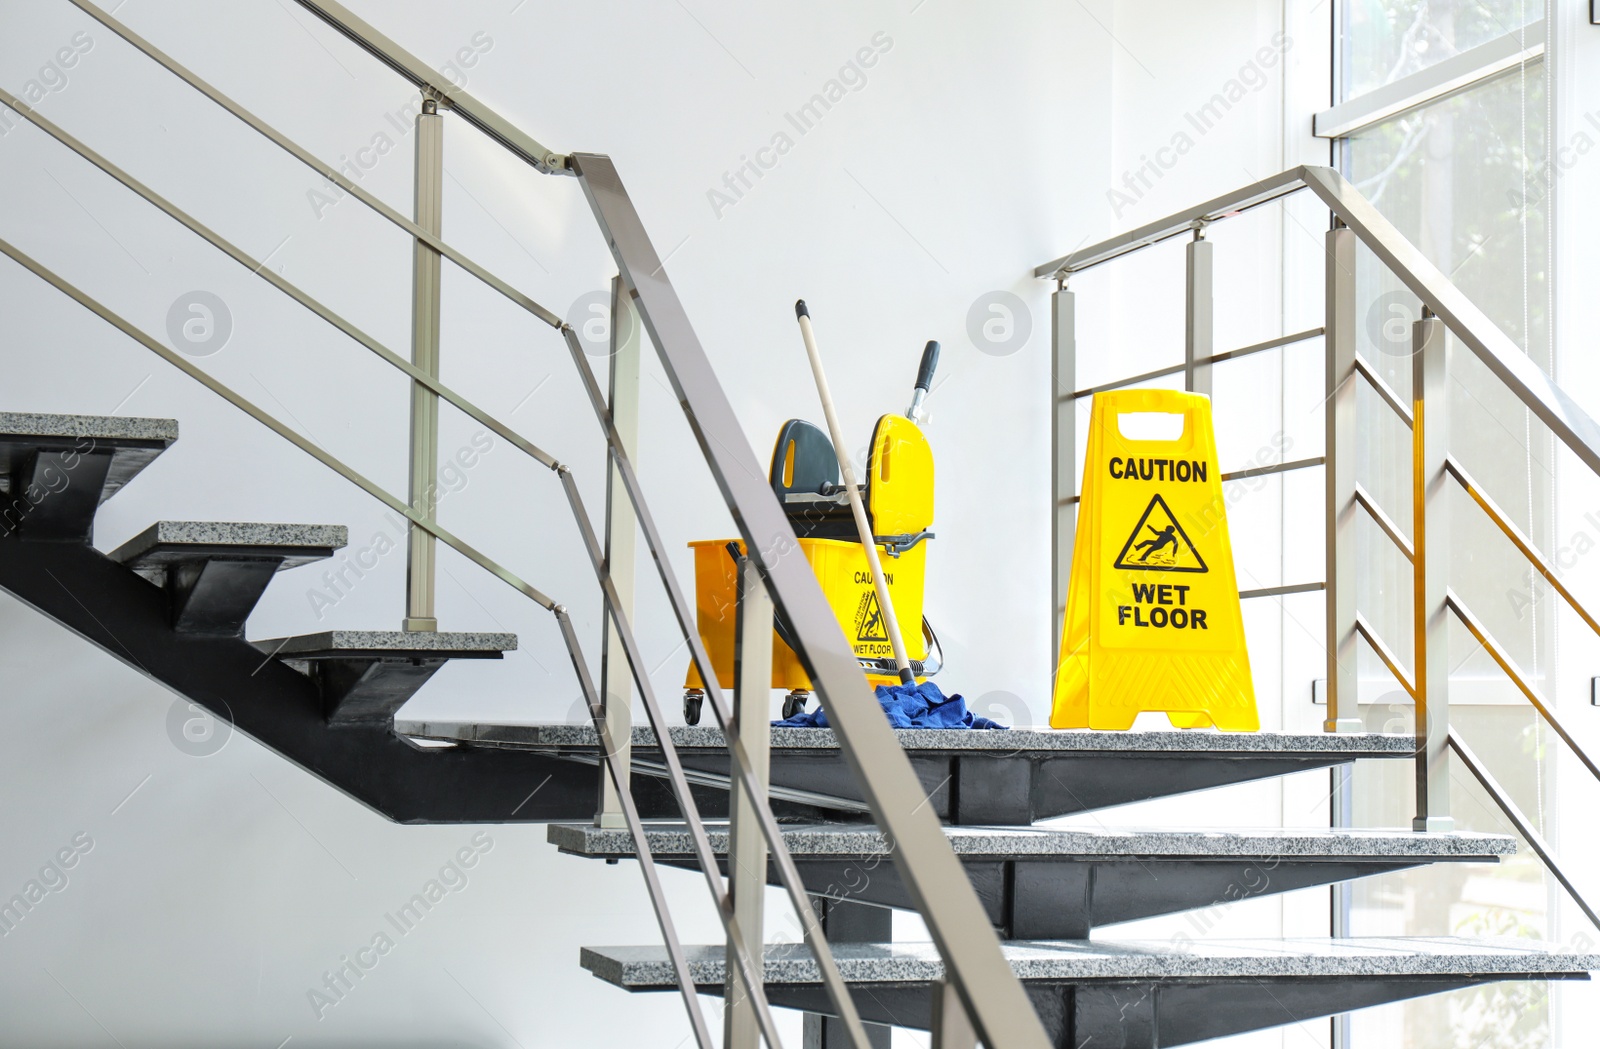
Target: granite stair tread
{"x": 215, "y": 572}
{"x": 56, "y": 470}
{"x": 669, "y": 839}
{"x": 1064, "y": 961}
{"x": 1023, "y": 740}
{"x": 343, "y": 644}
{"x": 364, "y": 676}
{"x": 977, "y": 777}
{"x": 170, "y": 542}
{"x": 109, "y": 427}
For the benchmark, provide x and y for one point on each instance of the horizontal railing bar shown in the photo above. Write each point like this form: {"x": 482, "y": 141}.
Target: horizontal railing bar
{"x": 261, "y": 269}
{"x": 1254, "y": 195}
{"x": 1390, "y": 660}
{"x": 427, "y": 523}
{"x": 1438, "y": 81}
{"x": 305, "y": 157}
{"x": 1090, "y": 391}
{"x": 1384, "y": 391}
{"x": 1282, "y": 591}
{"x": 1500, "y": 656}
{"x": 1385, "y": 522}
{"x": 1216, "y": 358}
{"x": 1523, "y": 825}
{"x": 1520, "y": 541}
{"x": 1275, "y": 468}
{"x": 365, "y": 36}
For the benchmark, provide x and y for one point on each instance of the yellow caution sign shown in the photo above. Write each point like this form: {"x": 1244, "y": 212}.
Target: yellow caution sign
{"x": 1153, "y": 618}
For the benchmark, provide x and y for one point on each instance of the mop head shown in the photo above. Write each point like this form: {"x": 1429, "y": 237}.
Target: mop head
{"x": 908, "y": 706}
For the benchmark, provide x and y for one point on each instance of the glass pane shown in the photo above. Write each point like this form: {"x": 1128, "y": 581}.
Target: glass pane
{"x": 1388, "y": 39}
{"x": 1461, "y": 179}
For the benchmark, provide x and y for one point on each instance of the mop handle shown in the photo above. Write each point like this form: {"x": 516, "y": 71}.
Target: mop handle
{"x": 863, "y": 528}
{"x": 930, "y": 361}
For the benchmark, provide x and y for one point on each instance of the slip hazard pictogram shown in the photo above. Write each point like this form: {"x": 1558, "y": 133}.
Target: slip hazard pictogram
{"x": 1158, "y": 543}
{"x": 869, "y": 619}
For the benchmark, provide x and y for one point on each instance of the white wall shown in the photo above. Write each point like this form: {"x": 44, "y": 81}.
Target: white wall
{"x": 984, "y": 140}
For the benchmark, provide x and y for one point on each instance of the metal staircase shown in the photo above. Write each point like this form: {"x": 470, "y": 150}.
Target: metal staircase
{"x": 855, "y": 821}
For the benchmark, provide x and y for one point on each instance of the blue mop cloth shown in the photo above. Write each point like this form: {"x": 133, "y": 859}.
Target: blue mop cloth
{"x": 908, "y": 706}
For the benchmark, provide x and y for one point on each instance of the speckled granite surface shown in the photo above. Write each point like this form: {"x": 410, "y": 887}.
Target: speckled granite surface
{"x": 229, "y": 533}
{"x": 671, "y": 839}
{"x": 332, "y": 642}
{"x": 1011, "y": 741}
{"x": 108, "y": 427}
{"x": 1066, "y": 961}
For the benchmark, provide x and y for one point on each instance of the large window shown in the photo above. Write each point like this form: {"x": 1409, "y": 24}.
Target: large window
{"x": 1441, "y": 121}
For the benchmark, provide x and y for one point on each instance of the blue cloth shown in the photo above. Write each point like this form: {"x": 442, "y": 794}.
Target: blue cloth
{"x": 908, "y": 706}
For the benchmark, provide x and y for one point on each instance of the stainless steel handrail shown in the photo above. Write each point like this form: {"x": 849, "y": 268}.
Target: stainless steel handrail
{"x": 367, "y": 37}
{"x": 927, "y": 865}
{"x": 305, "y": 157}
{"x": 954, "y": 916}
{"x": 1519, "y": 374}
{"x": 680, "y": 785}
{"x": 260, "y": 269}
{"x": 575, "y": 651}
{"x": 1565, "y": 417}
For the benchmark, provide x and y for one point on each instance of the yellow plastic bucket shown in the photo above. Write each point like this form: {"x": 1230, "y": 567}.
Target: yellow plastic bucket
{"x": 841, "y": 569}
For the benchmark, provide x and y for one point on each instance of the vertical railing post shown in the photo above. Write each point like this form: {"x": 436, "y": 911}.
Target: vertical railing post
{"x": 848, "y": 921}
{"x": 1198, "y": 327}
{"x": 1341, "y": 814}
{"x": 747, "y": 851}
{"x": 1430, "y": 444}
{"x": 616, "y": 684}
{"x": 951, "y": 1028}
{"x": 1063, "y": 453}
{"x": 425, "y": 274}
{"x": 1339, "y": 478}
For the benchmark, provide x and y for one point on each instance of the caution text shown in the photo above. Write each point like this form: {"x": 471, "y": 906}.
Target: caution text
{"x": 1180, "y": 470}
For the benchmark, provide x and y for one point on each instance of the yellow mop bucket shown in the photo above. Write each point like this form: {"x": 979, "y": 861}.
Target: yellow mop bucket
{"x": 805, "y": 478}
{"x": 841, "y": 569}
{"x": 1153, "y": 620}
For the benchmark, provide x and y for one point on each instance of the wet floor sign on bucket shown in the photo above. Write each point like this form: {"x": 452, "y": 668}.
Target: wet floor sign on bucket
{"x": 1153, "y": 619}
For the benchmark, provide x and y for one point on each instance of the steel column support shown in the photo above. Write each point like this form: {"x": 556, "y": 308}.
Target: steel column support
{"x": 616, "y": 689}
{"x": 1198, "y": 331}
{"x": 848, "y": 921}
{"x": 747, "y": 850}
{"x": 1430, "y": 616}
{"x": 421, "y": 550}
{"x": 1063, "y": 455}
{"x": 1339, "y": 478}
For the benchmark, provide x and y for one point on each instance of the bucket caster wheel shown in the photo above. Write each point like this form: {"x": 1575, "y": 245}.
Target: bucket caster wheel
{"x": 692, "y": 700}
{"x": 795, "y": 703}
